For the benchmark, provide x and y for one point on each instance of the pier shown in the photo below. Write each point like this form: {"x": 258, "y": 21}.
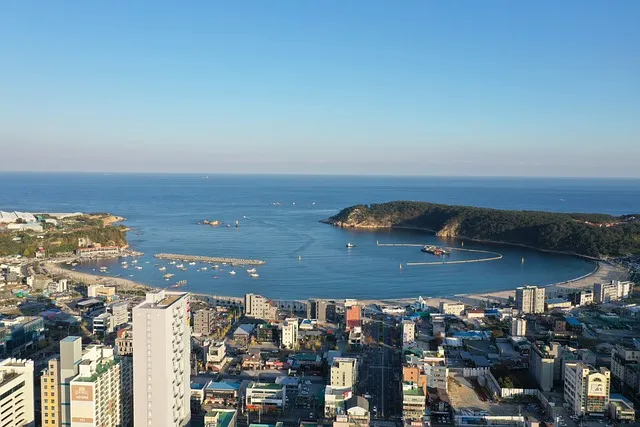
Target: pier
{"x": 209, "y": 259}
{"x": 494, "y": 255}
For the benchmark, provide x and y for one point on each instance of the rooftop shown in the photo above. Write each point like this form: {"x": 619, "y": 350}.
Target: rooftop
{"x": 266, "y": 386}
{"x": 224, "y": 418}
{"x": 224, "y": 386}
{"x": 413, "y": 391}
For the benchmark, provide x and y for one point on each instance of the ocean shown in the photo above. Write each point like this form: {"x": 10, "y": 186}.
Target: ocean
{"x": 279, "y": 222}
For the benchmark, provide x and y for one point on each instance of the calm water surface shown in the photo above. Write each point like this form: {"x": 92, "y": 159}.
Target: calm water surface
{"x": 279, "y": 217}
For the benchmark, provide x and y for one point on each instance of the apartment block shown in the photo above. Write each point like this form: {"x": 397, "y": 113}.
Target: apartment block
{"x": 344, "y": 372}
{"x": 543, "y": 364}
{"x": 161, "y": 365}
{"x": 518, "y": 327}
{"x": 613, "y": 291}
{"x": 408, "y": 332}
{"x": 290, "y": 333}
{"x": 259, "y": 307}
{"x": 414, "y": 403}
{"x": 321, "y": 310}
{"x": 16, "y": 393}
{"x": 586, "y": 389}
{"x": 530, "y": 299}
{"x": 50, "y": 394}
{"x": 204, "y": 321}
{"x": 435, "y": 369}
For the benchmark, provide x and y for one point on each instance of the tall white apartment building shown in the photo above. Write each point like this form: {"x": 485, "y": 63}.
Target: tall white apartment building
{"x": 290, "y": 333}
{"x": 408, "y": 332}
{"x": 586, "y": 389}
{"x": 16, "y": 393}
{"x": 612, "y": 291}
{"x": 344, "y": 372}
{"x": 530, "y": 299}
{"x": 518, "y": 327}
{"x": 161, "y": 345}
{"x": 259, "y": 307}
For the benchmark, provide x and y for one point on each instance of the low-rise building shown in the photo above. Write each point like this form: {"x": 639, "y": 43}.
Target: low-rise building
{"x": 58, "y": 286}
{"x": 243, "y": 333}
{"x": 267, "y": 333}
{"x": 101, "y": 291}
{"x": 290, "y": 333}
{"x": 16, "y": 393}
{"x": 408, "y": 332}
{"x": 344, "y": 372}
{"x": 334, "y": 400}
{"x": 221, "y": 418}
{"x": 613, "y": 291}
{"x": 621, "y": 410}
{"x": 224, "y": 393}
{"x": 265, "y": 397}
{"x": 357, "y": 413}
{"x": 216, "y": 354}
{"x": 435, "y": 369}
{"x": 452, "y": 308}
{"x": 98, "y": 251}
{"x": 558, "y": 304}
{"x": 20, "y": 335}
{"x": 583, "y": 297}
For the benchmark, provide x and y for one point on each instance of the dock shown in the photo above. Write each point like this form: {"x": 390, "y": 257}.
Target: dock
{"x": 209, "y": 259}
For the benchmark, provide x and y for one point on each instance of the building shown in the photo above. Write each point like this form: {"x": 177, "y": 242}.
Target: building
{"x": 124, "y": 341}
{"x": 216, "y": 354}
{"x": 414, "y": 403}
{"x": 50, "y": 394}
{"x": 259, "y": 307}
{"x": 321, "y": 310}
{"x": 161, "y": 367}
{"x": 98, "y": 251}
{"x": 16, "y": 393}
{"x": 243, "y": 333}
{"x": 357, "y": 413}
{"x": 543, "y": 364}
{"x": 58, "y": 286}
{"x": 583, "y": 297}
{"x": 414, "y": 374}
{"x": 621, "y": 410}
{"x": 344, "y": 372}
{"x": 353, "y": 314}
{"x": 290, "y": 333}
{"x": 435, "y": 368}
{"x": 518, "y": 327}
{"x": 20, "y": 335}
{"x": 613, "y": 291}
{"x": 220, "y": 418}
{"x": 119, "y": 312}
{"x": 408, "y": 332}
{"x": 452, "y": 308}
{"x": 265, "y": 397}
{"x": 267, "y": 333}
{"x": 101, "y": 324}
{"x": 223, "y": 393}
{"x": 334, "y": 400}
{"x": 557, "y": 303}
{"x": 530, "y": 299}
{"x": 624, "y": 362}
{"x": 586, "y": 389}
{"x": 204, "y": 321}
{"x": 101, "y": 291}
{"x": 95, "y": 391}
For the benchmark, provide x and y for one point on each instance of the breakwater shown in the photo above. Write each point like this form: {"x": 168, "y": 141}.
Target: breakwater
{"x": 494, "y": 256}
{"x": 209, "y": 259}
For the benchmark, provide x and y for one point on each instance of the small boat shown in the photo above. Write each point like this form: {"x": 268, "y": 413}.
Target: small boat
{"x": 255, "y": 275}
{"x": 138, "y": 267}
{"x": 73, "y": 264}
{"x": 124, "y": 263}
{"x": 203, "y": 269}
{"x": 233, "y": 273}
{"x": 216, "y": 266}
{"x": 523, "y": 260}
{"x": 135, "y": 261}
{"x": 192, "y": 263}
{"x": 351, "y": 245}
{"x": 103, "y": 269}
{"x": 163, "y": 268}
{"x": 168, "y": 275}
{"x": 215, "y": 277}
{"x": 400, "y": 266}
{"x": 251, "y": 270}
{"x": 180, "y": 266}
{"x": 172, "y": 263}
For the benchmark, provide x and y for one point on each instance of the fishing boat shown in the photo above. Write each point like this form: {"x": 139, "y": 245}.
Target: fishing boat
{"x": 351, "y": 245}
{"x": 135, "y": 261}
{"x": 233, "y": 273}
{"x": 172, "y": 263}
{"x": 180, "y": 266}
{"x": 255, "y": 275}
{"x": 103, "y": 269}
{"x": 216, "y": 266}
{"x": 435, "y": 250}
{"x": 204, "y": 269}
{"x": 192, "y": 263}
{"x": 251, "y": 270}
{"x": 163, "y": 268}
{"x": 168, "y": 275}
{"x": 138, "y": 267}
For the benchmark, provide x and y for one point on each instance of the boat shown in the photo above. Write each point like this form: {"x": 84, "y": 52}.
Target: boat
{"x": 168, "y": 275}
{"x": 435, "y": 250}
{"x": 138, "y": 267}
{"x": 204, "y": 269}
{"x": 163, "y": 268}
{"x": 216, "y": 266}
{"x": 255, "y": 275}
{"x": 172, "y": 263}
{"x": 192, "y": 263}
{"x": 251, "y": 270}
{"x": 299, "y": 257}
{"x": 103, "y": 269}
{"x": 233, "y": 273}
{"x": 351, "y": 245}
{"x": 179, "y": 283}
{"x": 180, "y": 266}
{"x": 73, "y": 264}
{"x": 124, "y": 263}
{"x": 135, "y": 261}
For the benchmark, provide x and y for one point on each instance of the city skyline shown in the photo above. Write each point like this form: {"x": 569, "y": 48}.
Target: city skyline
{"x": 500, "y": 89}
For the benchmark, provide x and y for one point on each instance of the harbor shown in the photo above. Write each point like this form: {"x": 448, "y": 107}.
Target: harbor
{"x": 208, "y": 259}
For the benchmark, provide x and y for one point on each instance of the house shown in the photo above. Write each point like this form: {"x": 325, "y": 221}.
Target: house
{"x": 243, "y": 333}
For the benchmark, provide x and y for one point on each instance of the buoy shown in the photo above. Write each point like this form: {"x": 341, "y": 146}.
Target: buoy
{"x": 523, "y": 260}
{"x": 462, "y": 244}
{"x": 400, "y": 266}
{"x": 299, "y": 257}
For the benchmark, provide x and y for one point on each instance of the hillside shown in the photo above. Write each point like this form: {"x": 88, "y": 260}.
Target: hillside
{"x": 596, "y": 235}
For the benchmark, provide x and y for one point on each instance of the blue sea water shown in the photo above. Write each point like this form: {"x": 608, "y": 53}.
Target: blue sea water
{"x": 163, "y": 211}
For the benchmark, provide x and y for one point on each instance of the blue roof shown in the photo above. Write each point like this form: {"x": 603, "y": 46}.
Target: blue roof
{"x": 572, "y": 321}
{"x": 224, "y": 386}
{"x": 197, "y": 386}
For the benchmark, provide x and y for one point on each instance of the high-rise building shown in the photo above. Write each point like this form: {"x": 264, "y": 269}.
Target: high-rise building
{"x": 95, "y": 391}
{"x": 204, "y": 321}
{"x": 408, "y": 331}
{"x": 119, "y": 312}
{"x": 70, "y": 356}
{"x": 586, "y": 389}
{"x": 161, "y": 348}
{"x": 16, "y": 393}
{"x": 530, "y": 299}
{"x": 321, "y": 310}
{"x": 353, "y": 314}
{"x": 435, "y": 368}
{"x": 612, "y": 291}
{"x": 50, "y": 394}
{"x": 344, "y": 372}
{"x": 259, "y": 307}
{"x": 518, "y": 327}
{"x": 290, "y": 333}
{"x": 543, "y": 364}
{"x": 124, "y": 350}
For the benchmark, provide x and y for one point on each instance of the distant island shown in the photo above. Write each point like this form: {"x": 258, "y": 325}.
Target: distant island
{"x": 593, "y": 235}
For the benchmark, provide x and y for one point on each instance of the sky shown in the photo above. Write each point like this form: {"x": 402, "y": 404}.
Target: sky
{"x": 488, "y": 88}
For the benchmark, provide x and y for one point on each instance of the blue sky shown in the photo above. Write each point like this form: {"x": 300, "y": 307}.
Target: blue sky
{"x": 443, "y": 88}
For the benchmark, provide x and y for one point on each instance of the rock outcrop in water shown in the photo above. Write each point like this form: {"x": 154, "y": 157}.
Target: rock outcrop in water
{"x": 595, "y": 235}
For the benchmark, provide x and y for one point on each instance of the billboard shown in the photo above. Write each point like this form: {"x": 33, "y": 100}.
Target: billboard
{"x": 81, "y": 393}
{"x": 596, "y": 388}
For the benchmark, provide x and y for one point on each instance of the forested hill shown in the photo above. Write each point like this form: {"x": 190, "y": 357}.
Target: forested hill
{"x": 596, "y": 235}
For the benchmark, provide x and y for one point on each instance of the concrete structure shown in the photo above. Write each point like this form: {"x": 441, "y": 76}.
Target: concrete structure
{"x": 542, "y": 365}
{"x": 95, "y": 391}
{"x": 518, "y": 327}
{"x": 452, "y": 308}
{"x": 12, "y": 217}
{"x": 16, "y": 393}
{"x": 217, "y": 353}
{"x": 221, "y": 418}
{"x": 321, "y": 310}
{"x": 344, "y": 372}
{"x": 625, "y": 362}
{"x": 58, "y": 286}
{"x": 557, "y": 303}
{"x": 530, "y": 299}
{"x": 612, "y": 291}
{"x": 290, "y": 333}
{"x": 98, "y": 251}
{"x": 161, "y": 365}
{"x": 357, "y": 413}
{"x": 583, "y": 297}
{"x": 20, "y": 335}
{"x": 408, "y": 332}
{"x": 414, "y": 403}
{"x": 353, "y": 314}
{"x": 435, "y": 368}
{"x": 50, "y": 394}
{"x": 265, "y": 397}
{"x": 334, "y": 400}
{"x": 621, "y": 410}
{"x": 70, "y": 357}
{"x": 204, "y": 321}
{"x": 119, "y": 312}
{"x": 101, "y": 324}
{"x": 124, "y": 341}
{"x": 259, "y": 307}
{"x": 224, "y": 393}
{"x": 587, "y": 390}
{"x": 102, "y": 291}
